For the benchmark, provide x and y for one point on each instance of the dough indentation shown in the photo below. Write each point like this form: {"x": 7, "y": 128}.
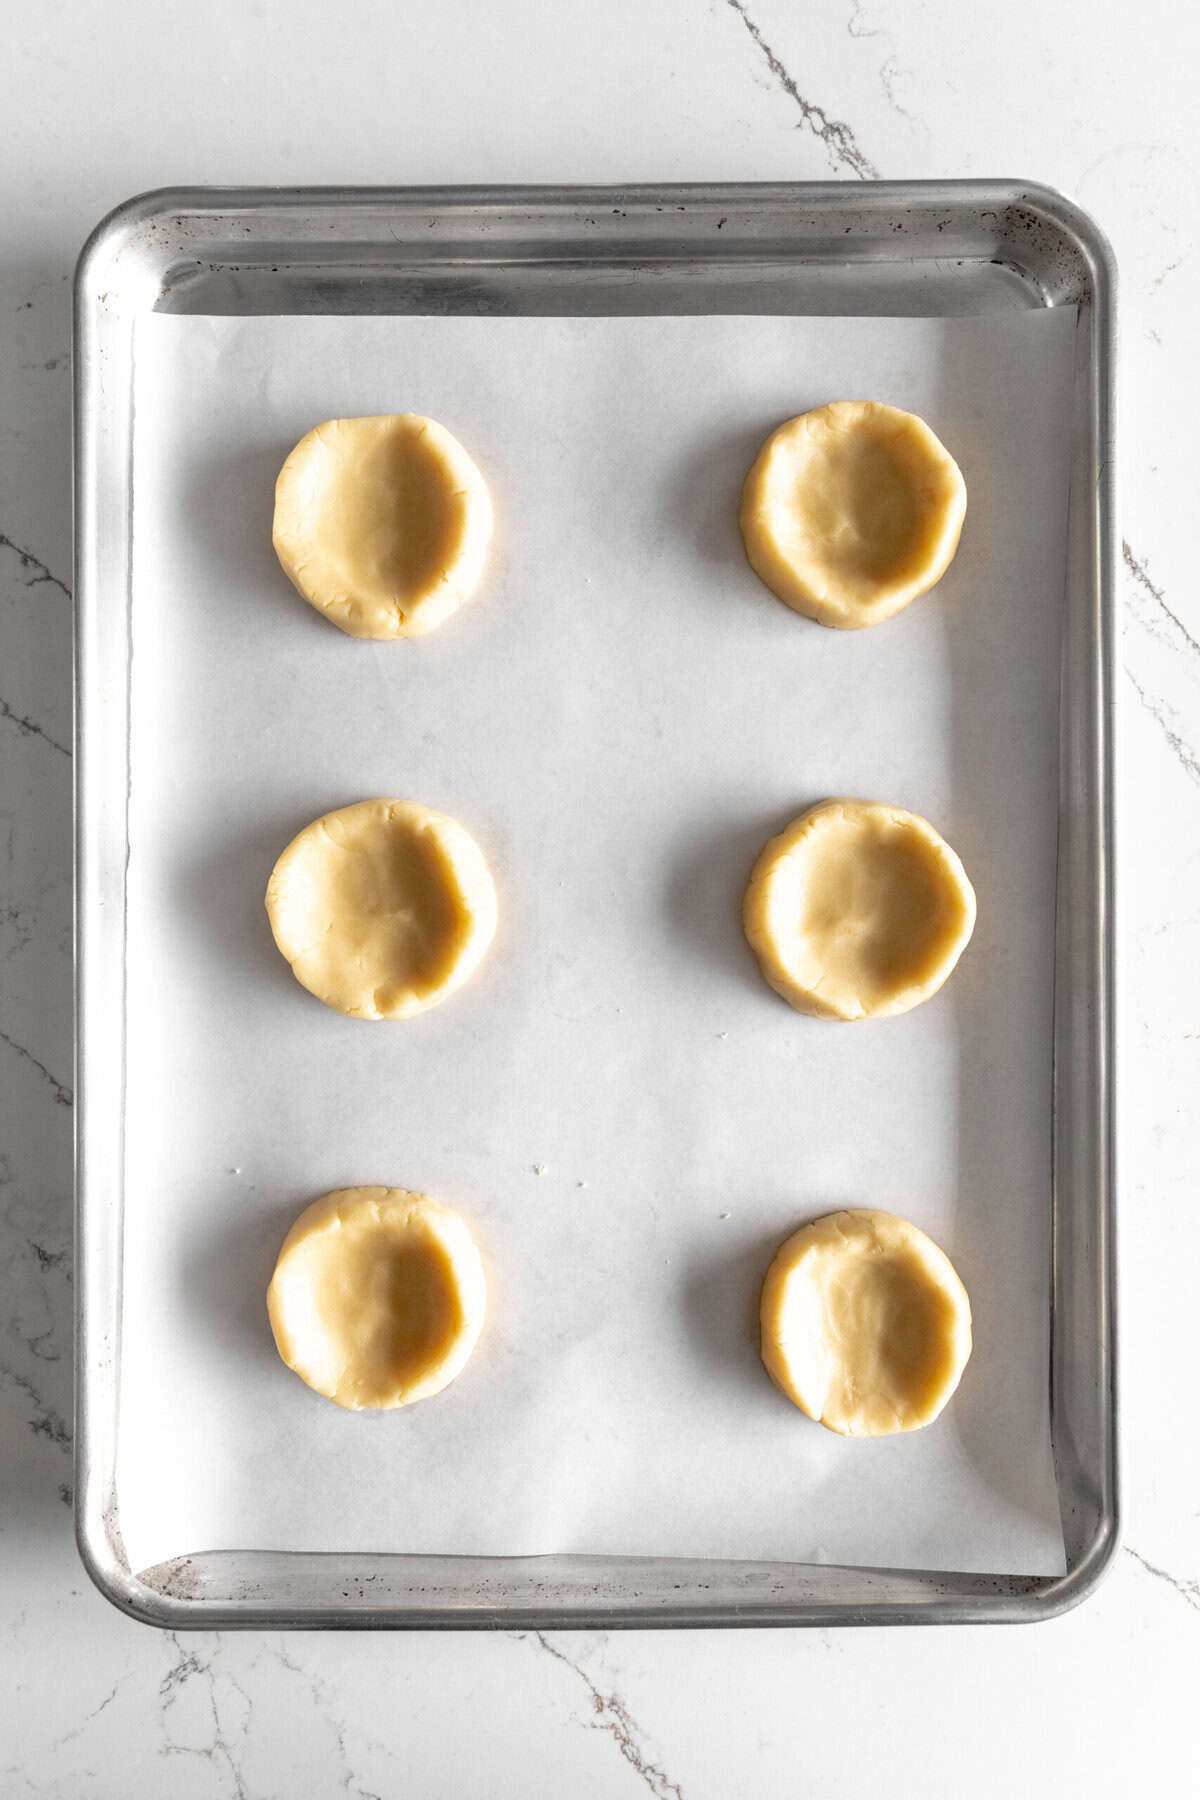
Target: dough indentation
{"x": 851, "y": 511}
{"x": 382, "y": 908}
{"x": 866, "y": 1326}
{"x": 377, "y": 1298}
{"x": 382, "y": 523}
{"x": 858, "y": 910}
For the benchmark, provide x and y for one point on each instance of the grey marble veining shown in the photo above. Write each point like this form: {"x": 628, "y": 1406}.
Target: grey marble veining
{"x": 1096, "y": 101}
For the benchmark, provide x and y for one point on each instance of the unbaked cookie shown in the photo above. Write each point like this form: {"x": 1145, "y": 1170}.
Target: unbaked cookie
{"x": 382, "y": 523}
{"x": 377, "y": 1298}
{"x": 865, "y": 1324}
{"x": 851, "y": 511}
{"x": 858, "y": 910}
{"x": 383, "y": 908}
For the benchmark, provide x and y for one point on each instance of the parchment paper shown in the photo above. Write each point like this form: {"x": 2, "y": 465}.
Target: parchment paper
{"x": 628, "y": 1117}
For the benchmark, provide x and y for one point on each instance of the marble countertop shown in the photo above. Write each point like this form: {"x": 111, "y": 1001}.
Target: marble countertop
{"x": 1096, "y": 99}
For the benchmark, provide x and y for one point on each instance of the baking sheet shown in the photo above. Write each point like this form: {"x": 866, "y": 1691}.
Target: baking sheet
{"x": 627, "y": 1116}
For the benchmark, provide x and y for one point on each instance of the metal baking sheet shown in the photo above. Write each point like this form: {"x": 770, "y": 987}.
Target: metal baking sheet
{"x": 771, "y": 270}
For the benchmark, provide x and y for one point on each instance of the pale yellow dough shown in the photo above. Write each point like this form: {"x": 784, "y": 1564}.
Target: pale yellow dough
{"x": 383, "y": 908}
{"x": 851, "y": 511}
{"x": 858, "y": 910}
{"x": 382, "y": 523}
{"x": 865, "y": 1324}
{"x": 377, "y": 1298}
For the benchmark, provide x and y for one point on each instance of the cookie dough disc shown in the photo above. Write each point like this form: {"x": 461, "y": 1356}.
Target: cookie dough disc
{"x": 858, "y": 910}
{"x": 377, "y": 1298}
{"x": 851, "y": 511}
{"x": 382, "y": 523}
{"x": 865, "y": 1324}
{"x": 382, "y": 908}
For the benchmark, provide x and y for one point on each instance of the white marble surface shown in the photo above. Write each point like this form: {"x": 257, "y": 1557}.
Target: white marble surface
{"x": 1096, "y": 98}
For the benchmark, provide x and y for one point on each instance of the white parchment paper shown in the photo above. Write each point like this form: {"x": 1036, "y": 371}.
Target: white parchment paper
{"x": 628, "y": 1117}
